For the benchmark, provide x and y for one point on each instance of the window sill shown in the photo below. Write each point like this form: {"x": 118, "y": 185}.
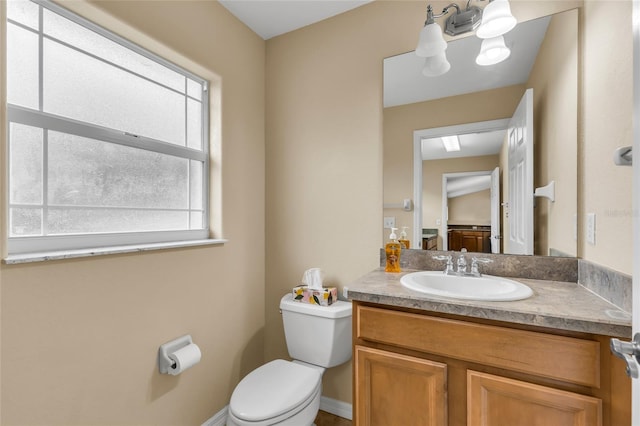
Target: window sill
{"x": 72, "y": 254}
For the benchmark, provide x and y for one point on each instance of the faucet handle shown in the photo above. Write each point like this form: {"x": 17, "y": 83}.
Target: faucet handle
{"x": 442, "y": 257}
{"x": 449, "y": 267}
{"x": 474, "y": 264}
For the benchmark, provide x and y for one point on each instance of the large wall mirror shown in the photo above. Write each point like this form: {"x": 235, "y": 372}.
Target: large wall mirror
{"x": 455, "y": 194}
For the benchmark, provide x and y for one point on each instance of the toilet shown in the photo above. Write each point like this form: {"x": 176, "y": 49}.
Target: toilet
{"x": 287, "y": 393}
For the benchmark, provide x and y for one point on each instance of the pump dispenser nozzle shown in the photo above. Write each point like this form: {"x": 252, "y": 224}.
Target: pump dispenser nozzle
{"x": 404, "y": 241}
{"x": 392, "y": 251}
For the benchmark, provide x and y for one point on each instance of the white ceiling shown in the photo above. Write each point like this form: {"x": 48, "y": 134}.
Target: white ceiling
{"x": 270, "y": 18}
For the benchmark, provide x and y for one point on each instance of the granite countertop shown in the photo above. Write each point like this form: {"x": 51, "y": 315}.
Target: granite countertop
{"x": 554, "y": 304}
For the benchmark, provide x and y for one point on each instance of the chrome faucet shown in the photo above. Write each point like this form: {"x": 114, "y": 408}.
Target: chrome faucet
{"x": 461, "y": 265}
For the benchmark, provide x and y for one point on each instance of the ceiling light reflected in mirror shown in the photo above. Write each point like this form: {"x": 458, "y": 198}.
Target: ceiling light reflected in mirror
{"x": 468, "y": 145}
{"x": 451, "y": 143}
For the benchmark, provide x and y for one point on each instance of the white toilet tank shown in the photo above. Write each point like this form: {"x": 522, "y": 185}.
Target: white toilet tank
{"x": 318, "y": 335}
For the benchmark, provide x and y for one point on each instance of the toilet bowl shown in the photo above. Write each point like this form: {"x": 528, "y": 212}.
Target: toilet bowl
{"x": 278, "y": 393}
{"x": 287, "y": 393}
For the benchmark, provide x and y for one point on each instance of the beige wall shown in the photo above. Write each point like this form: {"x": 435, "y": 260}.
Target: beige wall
{"x": 605, "y": 117}
{"x": 80, "y": 337}
{"x": 324, "y": 157}
{"x": 554, "y": 79}
{"x": 471, "y": 209}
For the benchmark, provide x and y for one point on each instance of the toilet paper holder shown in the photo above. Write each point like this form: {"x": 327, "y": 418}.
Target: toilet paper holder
{"x": 164, "y": 362}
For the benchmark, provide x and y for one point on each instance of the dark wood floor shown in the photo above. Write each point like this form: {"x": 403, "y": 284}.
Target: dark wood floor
{"x": 328, "y": 419}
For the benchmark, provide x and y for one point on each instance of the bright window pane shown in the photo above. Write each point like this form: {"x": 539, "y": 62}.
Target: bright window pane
{"x": 77, "y": 221}
{"x": 74, "y": 81}
{"x": 87, "y": 172}
{"x": 23, "y": 11}
{"x": 96, "y": 44}
{"x": 196, "y": 185}
{"x": 22, "y": 67}
{"x": 194, "y": 89}
{"x": 25, "y": 164}
{"x": 196, "y": 220}
{"x": 25, "y": 222}
{"x": 194, "y": 124}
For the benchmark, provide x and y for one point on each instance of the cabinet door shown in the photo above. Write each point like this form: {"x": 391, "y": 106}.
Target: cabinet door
{"x": 497, "y": 401}
{"x": 394, "y": 389}
{"x": 472, "y": 241}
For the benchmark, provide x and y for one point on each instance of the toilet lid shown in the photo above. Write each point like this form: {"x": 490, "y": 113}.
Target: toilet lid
{"x": 273, "y": 389}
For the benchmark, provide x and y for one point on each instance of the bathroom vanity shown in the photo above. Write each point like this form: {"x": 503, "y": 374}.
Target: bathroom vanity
{"x": 422, "y": 360}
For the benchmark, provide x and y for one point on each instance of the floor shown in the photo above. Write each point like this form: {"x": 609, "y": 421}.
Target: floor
{"x": 328, "y": 419}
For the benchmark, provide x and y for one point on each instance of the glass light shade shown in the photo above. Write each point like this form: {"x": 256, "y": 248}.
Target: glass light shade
{"x": 496, "y": 19}
{"x": 493, "y": 51}
{"x": 436, "y": 65}
{"x": 431, "y": 41}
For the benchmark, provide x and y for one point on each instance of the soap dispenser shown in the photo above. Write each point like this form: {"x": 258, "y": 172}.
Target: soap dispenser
{"x": 392, "y": 250}
{"x": 404, "y": 241}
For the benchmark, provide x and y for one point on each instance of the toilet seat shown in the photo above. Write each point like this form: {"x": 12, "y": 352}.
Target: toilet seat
{"x": 275, "y": 392}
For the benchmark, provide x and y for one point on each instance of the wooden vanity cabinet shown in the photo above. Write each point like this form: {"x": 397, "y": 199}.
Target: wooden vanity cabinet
{"x": 475, "y": 241}
{"x": 430, "y": 243}
{"x": 411, "y": 368}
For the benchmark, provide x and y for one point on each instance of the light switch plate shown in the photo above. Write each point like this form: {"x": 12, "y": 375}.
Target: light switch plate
{"x": 389, "y": 221}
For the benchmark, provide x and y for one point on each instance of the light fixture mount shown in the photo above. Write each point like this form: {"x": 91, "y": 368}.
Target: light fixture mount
{"x": 463, "y": 21}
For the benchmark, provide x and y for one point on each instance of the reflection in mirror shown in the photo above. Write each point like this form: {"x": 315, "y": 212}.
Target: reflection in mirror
{"x": 419, "y": 107}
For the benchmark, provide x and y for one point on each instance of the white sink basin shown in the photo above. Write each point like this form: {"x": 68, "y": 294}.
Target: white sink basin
{"x": 486, "y": 287}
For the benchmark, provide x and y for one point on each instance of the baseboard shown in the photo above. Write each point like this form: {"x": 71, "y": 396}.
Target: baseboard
{"x": 218, "y": 419}
{"x": 336, "y": 407}
{"x": 330, "y": 405}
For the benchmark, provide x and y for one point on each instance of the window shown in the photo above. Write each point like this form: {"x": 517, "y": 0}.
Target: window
{"x": 108, "y": 143}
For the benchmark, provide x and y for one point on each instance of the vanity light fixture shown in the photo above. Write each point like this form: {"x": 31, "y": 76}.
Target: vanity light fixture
{"x": 496, "y": 20}
{"x": 436, "y": 65}
{"x": 493, "y": 51}
{"x": 451, "y": 143}
{"x": 491, "y": 24}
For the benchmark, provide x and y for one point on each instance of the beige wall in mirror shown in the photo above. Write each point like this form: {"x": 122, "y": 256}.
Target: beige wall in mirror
{"x": 554, "y": 79}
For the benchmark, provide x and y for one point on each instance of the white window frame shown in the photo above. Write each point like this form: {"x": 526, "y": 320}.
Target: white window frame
{"x": 92, "y": 243}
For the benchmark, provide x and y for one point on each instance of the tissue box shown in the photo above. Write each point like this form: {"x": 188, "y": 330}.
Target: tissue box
{"x": 324, "y": 297}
